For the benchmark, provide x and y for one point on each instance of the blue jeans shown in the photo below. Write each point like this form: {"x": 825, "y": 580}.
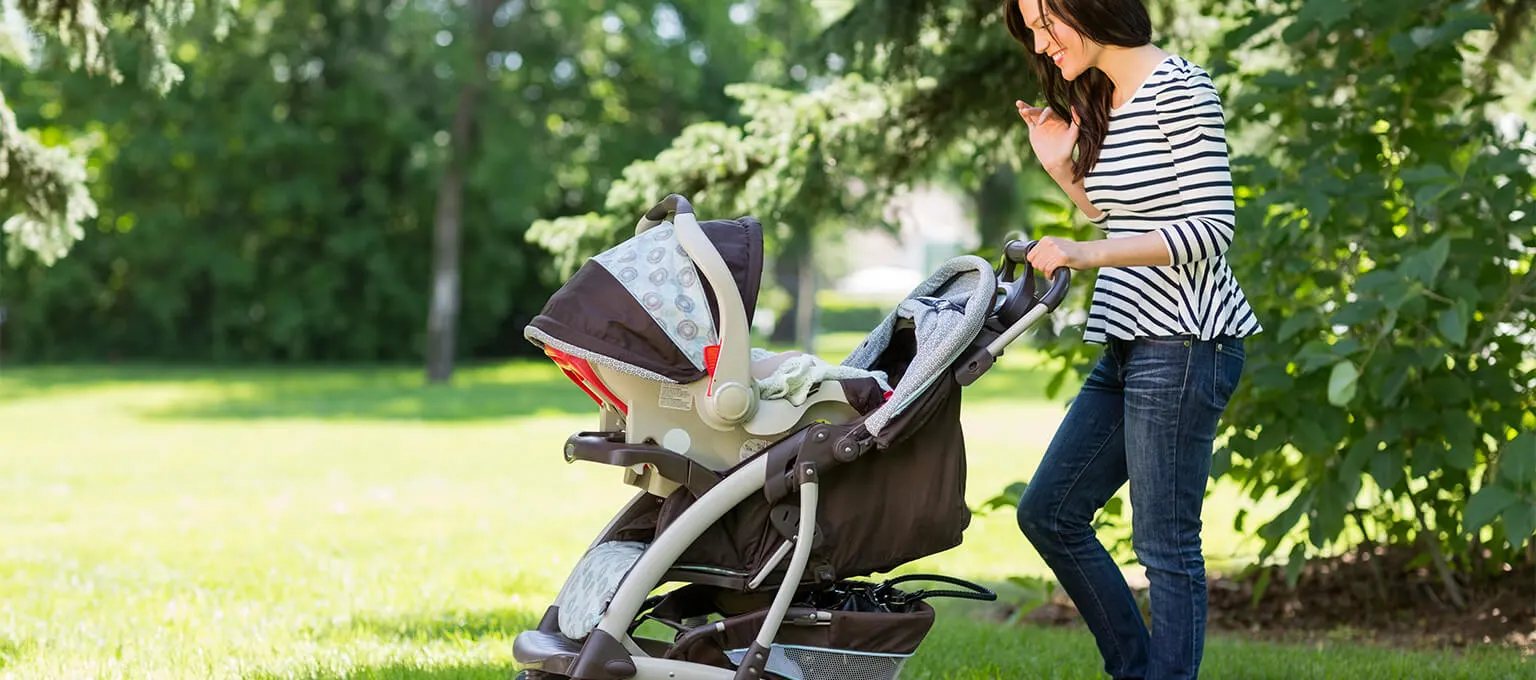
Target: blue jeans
{"x": 1148, "y": 415}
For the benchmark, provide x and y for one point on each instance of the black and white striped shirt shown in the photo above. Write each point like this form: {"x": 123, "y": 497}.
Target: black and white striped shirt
{"x": 1164, "y": 169}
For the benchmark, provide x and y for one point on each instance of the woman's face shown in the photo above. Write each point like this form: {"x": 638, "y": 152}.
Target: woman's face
{"x": 1054, "y": 38}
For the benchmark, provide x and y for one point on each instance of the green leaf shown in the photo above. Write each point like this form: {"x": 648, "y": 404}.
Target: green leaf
{"x": 1257, "y": 22}
{"x": 1327, "y": 514}
{"x": 1453, "y": 324}
{"x": 1115, "y": 507}
{"x": 1485, "y": 505}
{"x": 1358, "y": 312}
{"x": 1427, "y": 457}
{"x": 1429, "y": 172}
{"x": 1402, "y": 46}
{"x": 1517, "y": 463}
{"x": 1519, "y": 523}
{"x": 1461, "y": 23}
{"x": 1461, "y": 437}
{"x": 1282, "y": 524}
{"x": 1343, "y": 383}
{"x": 1314, "y": 355}
{"x": 1425, "y": 265}
{"x": 1221, "y": 462}
{"x": 1426, "y": 197}
{"x": 1007, "y": 499}
{"x": 1296, "y": 322}
{"x": 1386, "y": 467}
{"x": 1054, "y": 386}
{"x": 1307, "y": 436}
{"x": 1294, "y": 564}
{"x": 1261, "y": 585}
{"x": 1394, "y": 385}
{"x": 1449, "y": 389}
{"x": 1331, "y": 12}
{"x": 1360, "y": 453}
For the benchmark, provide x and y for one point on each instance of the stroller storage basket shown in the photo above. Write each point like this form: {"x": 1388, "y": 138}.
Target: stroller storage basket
{"x": 816, "y": 644}
{"x": 850, "y": 630}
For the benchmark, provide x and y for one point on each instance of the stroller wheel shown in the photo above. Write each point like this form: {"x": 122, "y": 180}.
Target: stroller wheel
{"x": 536, "y": 675}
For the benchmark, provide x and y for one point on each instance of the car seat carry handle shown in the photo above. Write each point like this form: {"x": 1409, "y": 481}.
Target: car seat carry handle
{"x": 667, "y": 209}
{"x": 731, "y": 398}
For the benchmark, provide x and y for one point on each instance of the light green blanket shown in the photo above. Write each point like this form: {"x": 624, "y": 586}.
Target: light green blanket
{"x": 794, "y": 377}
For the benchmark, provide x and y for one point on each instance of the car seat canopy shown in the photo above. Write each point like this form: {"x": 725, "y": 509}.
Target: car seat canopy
{"x": 642, "y": 307}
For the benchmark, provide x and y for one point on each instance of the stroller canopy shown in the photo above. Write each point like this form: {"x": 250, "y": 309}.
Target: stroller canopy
{"x": 642, "y": 308}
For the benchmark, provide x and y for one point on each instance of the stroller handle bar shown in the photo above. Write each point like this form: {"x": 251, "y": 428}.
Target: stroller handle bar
{"x": 731, "y": 399}
{"x": 1020, "y": 308}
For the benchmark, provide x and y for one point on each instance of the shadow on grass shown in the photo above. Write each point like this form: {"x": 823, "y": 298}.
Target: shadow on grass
{"x": 455, "y": 629}
{"x": 385, "y": 398}
{"x": 483, "y": 670}
{"x": 471, "y": 626}
{"x": 477, "y": 392}
{"x": 518, "y": 388}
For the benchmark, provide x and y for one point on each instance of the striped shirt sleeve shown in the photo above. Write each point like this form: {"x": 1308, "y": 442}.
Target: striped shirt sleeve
{"x": 1189, "y": 114}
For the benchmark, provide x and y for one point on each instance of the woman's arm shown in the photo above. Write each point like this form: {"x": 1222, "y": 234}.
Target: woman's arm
{"x": 1141, "y": 250}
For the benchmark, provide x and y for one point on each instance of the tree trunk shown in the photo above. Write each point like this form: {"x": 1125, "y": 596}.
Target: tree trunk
{"x": 805, "y": 312}
{"x": 443, "y": 315}
{"x": 789, "y": 274}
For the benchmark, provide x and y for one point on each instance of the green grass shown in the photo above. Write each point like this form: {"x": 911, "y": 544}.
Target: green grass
{"x": 173, "y": 522}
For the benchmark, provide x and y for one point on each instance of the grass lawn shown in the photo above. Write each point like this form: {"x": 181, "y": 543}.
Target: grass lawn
{"x": 342, "y": 523}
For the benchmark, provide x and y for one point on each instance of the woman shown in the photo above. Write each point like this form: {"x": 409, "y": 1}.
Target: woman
{"x": 1151, "y": 168}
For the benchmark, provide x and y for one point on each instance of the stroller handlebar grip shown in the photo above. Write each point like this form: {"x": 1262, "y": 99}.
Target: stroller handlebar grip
{"x": 1021, "y": 309}
{"x": 1017, "y": 252}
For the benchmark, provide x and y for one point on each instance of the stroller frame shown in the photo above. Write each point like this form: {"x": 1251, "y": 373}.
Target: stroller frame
{"x": 796, "y": 468}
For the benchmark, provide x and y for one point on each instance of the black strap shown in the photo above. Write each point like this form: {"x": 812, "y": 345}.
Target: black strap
{"x": 887, "y": 591}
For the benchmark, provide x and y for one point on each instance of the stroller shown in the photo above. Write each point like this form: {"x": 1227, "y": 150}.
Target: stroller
{"x": 768, "y": 483}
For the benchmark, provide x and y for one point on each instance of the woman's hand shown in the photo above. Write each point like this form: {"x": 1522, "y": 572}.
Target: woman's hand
{"x": 1052, "y": 138}
{"x": 1054, "y": 252}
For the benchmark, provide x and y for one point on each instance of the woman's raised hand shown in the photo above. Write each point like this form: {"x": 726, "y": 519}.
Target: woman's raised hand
{"x": 1052, "y": 138}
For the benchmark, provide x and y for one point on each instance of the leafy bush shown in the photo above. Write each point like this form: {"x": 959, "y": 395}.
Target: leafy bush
{"x": 1386, "y": 232}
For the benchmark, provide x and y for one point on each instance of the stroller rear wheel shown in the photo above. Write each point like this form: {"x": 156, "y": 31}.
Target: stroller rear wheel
{"x": 537, "y": 675}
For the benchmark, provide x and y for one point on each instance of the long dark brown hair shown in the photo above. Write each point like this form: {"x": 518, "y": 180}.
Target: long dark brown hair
{"x": 1123, "y": 23}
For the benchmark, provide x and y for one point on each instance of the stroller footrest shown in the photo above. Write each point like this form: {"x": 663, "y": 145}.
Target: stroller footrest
{"x": 549, "y": 652}
{"x": 555, "y": 653}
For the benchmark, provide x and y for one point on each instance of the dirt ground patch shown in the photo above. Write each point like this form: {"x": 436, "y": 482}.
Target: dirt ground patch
{"x": 1377, "y": 597}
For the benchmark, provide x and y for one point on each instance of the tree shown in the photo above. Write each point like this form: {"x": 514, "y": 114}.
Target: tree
{"x": 43, "y": 188}
{"x": 442, "y": 316}
{"x": 280, "y": 203}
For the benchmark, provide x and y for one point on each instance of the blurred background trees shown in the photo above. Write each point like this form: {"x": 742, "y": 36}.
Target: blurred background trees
{"x": 312, "y": 180}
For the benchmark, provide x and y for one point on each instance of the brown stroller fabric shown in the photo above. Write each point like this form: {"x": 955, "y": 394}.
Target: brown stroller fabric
{"x": 868, "y": 519}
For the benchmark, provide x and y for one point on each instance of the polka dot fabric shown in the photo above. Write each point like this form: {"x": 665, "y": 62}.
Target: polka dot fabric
{"x": 656, "y": 270}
